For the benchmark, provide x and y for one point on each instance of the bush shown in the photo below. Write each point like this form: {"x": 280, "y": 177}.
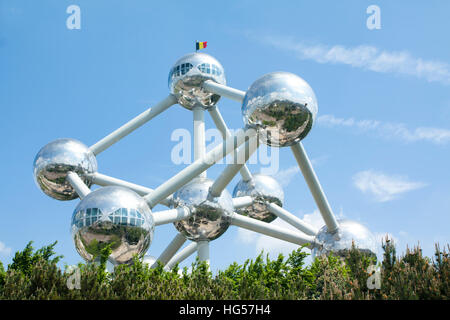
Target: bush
{"x": 35, "y": 275}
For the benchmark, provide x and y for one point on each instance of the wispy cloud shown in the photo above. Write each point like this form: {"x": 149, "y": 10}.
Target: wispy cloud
{"x": 270, "y": 245}
{"x": 389, "y": 130}
{"x": 4, "y": 250}
{"x": 384, "y": 187}
{"x": 284, "y": 177}
{"x": 366, "y": 57}
{"x": 275, "y": 246}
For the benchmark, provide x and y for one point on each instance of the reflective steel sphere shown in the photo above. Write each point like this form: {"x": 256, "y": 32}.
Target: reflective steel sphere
{"x": 262, "y": 189}
{"x": 341, "y": 241}
{"x": 187, "y": 76}
{"x": 282, "y": 106}
{"x": 211, "y": 216}
{"x": 113, "y": 216}
{"x": 55, "y": 160}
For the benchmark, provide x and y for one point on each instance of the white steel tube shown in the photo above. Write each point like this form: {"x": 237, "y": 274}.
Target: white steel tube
{"x": 315, "y": 187}
{"x": 231, "y": 170}
{"x": 180, "y": 256}
{"x": 221, "y": 90}
{"x": 241, "y": 202}
{"x": 293, "y": 220}
{"x": 104, "y": 180}
{"x": 168, "y": 216}
{"x": 222, "y": 127}
{"x": 203, "y": 251}
{"x": 132, "y": 125}
{"x": 194, "y": 169}
{"x": 199, "y": 135}
{"x": 80, "y": 187}
{"x": 172, "y": 248}
{"x": 272, "y": 230}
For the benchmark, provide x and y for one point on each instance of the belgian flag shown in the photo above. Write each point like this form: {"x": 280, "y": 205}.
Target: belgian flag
{"x": 200, "y": 45}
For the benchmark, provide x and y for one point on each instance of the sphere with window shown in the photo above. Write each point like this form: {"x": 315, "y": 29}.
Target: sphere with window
{"x": 114, "y": 217}
{"x": 188, "y": 75}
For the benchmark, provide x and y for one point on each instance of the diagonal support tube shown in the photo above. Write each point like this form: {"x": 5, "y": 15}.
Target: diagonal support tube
{"x": 173, "y": 215}
{"x": 273, "y": 231}
{"x": 293, "y": 220}
{"x": 132, "y": 125}
{"x": 172, "y": 248}
{"x": 222, "y": 127}
{"x": 104, "y": 180}
{"x": 315, "y": 187}
{"x": 182, "y": 255}
{"x": 231, "y": 170}
{"x": 200, "y": 165}
{"x": 80, "y": 187}
{"x": 224, "y": 91}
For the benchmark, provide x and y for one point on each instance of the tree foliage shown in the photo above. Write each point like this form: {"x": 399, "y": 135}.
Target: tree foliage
{"x": 35, "y": 275}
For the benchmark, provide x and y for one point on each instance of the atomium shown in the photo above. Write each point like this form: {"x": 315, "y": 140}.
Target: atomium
{"x": 115, "y": 217}
{"x": 120, "y": 215}
{"x": 263, "y": 189}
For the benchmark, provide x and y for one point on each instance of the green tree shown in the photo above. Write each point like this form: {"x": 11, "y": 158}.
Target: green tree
{"x": 25, "y": 260}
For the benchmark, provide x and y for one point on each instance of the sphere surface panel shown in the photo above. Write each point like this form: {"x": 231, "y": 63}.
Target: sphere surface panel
{"x": 340, "y": 242}
{"x": 114, "y": 216}
{"x": 54, "y": 161}
{"x": 263, "y": 189}
{"x": 210, "y": 218}
{"x": 187, "y": 76}
{"x": 282, "y": 106}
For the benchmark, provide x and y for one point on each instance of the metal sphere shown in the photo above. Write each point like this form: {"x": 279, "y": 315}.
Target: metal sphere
{"x": 113, "y": 216}
{"x": 262, "y": 189}
{"x": 341, "y": 241}
{"x": 55, "y": 160}
{"x": 187, "y": 76}
{"x": 211, "y": 216}
{"x": 282, "y": 106}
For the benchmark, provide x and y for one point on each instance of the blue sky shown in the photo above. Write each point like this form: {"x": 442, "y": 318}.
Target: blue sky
{"x": 380, "y": 145}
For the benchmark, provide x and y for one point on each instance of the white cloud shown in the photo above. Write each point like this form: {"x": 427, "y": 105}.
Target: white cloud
{"x": 403, "y": 233}
{"x": 384, "y": 187}
{"x": 380, "y": 238}
{"x": 314, "y": 219}
{"x": 367, "y": 58}
{"x": 270, "y": 245}
{"x": 284, "y": 177}
{"x": 389, "y": 130}
{"x": 247, "y": 236}
{"x": 4, "y": 250}
{"x": 275, "y": 246}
